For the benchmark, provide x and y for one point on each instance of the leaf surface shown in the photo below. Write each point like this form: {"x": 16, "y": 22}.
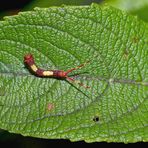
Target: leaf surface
{"x": 113, "y": 109}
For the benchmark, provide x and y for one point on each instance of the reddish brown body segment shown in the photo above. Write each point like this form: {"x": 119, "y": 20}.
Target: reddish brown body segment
{"x": 60, "y": 74}
{"x": 29, "y": 61}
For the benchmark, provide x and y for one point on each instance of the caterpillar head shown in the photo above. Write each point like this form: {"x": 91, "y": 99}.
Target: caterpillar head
{"x": 28, "y": 59}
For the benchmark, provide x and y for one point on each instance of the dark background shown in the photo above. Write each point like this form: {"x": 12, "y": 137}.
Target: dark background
{"x": 10, "y": 7}
{"x": 6, "y": 5}
{"x": 16, "y": 140}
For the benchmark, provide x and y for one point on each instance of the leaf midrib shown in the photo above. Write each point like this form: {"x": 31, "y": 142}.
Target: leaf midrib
{"x": 108, "y": 80}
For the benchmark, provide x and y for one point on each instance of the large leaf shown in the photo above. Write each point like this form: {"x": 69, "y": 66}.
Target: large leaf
{"x": 114, "y": 108}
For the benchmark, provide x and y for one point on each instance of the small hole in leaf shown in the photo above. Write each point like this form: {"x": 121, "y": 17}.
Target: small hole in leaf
{"x": 96, "y": 119}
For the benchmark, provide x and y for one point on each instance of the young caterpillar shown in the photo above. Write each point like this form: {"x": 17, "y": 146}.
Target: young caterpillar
{"x": 60, "y": 74}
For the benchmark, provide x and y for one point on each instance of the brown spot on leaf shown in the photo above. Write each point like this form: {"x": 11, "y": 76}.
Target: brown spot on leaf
{"x": 50, "y": 106}
{"x": 135, "y": 39}
{"x": 2, "y": 91}
{"x": 126, "y": 53}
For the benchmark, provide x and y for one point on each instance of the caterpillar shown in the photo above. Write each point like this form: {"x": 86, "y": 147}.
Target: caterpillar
{"x": 59, "y": 74}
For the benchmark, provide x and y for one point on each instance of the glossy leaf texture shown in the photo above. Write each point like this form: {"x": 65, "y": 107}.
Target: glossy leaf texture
{"x": 113, "y": 109}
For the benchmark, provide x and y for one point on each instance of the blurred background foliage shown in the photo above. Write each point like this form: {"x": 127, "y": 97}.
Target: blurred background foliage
{"x": 135, "y": 7}
{"x": 138, "y": 8}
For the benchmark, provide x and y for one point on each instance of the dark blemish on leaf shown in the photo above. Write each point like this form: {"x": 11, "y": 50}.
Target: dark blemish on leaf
{"x": 96, "y": 119}
{"x": 135, "y": 39}
{"x": 126, "y": 53}
{"x": 146, "y": 41}
{"x": 2, "y": 91}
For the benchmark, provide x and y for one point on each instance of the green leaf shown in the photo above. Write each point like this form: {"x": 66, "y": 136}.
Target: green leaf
{"x": 113, "y": 109}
